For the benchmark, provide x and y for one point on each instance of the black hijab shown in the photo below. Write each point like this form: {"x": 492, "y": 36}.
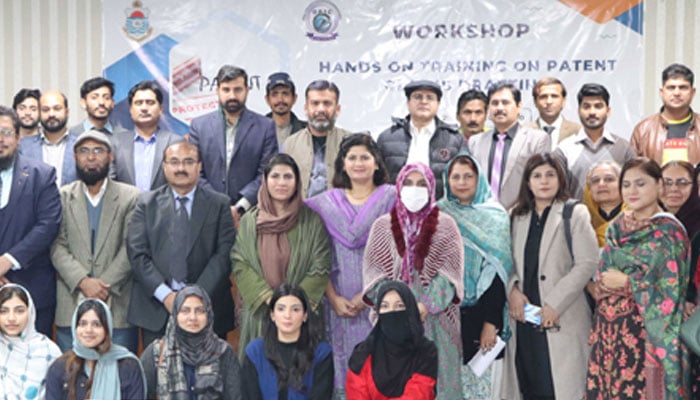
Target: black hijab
{"x": 397, "y": 344}
{"x": 689, "y": 213}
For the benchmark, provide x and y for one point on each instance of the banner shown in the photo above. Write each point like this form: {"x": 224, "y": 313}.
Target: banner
{"x": 372, "y": 48}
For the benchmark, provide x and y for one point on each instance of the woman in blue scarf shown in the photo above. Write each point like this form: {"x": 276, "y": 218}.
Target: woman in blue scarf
{"x": 485, "y": 228}
{"x": 95, "y": 368}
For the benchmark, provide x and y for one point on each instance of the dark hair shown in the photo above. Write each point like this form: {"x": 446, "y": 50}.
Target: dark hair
{"x": 281, "y": 159}
{"x": 469, "y": 95}
{"x": 526, "y": 200}
{"x": 550, "y": 80}
{"x": 593, "y": 90}
{"x": 8, "y": 112}
{"x": 74, "y": 363}
{"x": 303, "y": 352}
{"x": 229, "y": 72}
{"x": 463, "y": 160}
{"x": 501, "y": 85}
{"x": 185, "y": 143}
{"x": 322, "y": 84}
{"x": 648, "y": 166}
{"x": 24, "y": 94}
{"x": 96, "y": 83}
{"x": 677, "y": 71}
{"x": 8, "y": 292}
{"x": 146, "y": 85}
{"x": 341, "y": 178}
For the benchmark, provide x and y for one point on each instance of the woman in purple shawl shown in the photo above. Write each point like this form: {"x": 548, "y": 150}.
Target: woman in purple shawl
{"x": 359, "y": 197}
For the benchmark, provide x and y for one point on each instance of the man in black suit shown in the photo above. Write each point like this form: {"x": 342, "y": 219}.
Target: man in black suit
{"x": 180, "y": 234}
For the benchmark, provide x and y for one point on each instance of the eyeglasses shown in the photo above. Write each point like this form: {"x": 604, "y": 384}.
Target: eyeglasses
{"x": 7, "y": 132}
{"x": 420, "y": 97}
{"x": 595, "y": 180}
{"x": 187, "y": 162}
{"x": 680, "y": 183}
{"x": 98, "y": 151}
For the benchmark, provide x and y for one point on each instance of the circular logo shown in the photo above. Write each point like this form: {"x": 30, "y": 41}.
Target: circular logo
{"x": 322, "y": 18}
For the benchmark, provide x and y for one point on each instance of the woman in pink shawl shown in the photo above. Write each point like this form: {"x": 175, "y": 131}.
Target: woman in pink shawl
{"x": 422, "y": 247}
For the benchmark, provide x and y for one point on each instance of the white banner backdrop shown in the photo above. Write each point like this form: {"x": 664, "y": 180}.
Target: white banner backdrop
{"x": 372, "y": 48}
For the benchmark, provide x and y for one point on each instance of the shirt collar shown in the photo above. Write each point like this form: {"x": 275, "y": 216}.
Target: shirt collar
{"x": 189, "y": 195}
{"x": 98, "y": 197}
{"x": 557, "y": 122}
{"x": 45, "y": 140}
{"x": 87, "y": 125}
{"x": 426, "y": 130}
{"x": 607, "y": 136}
{"x": 139, "y": 138}
{"x": 510, "y": 132}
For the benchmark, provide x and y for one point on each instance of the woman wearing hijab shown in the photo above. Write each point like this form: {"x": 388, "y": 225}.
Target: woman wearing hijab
{"x": 289, "y": 362}
{"x": 360, "y": 196}
{"x": 484, "y": 226}
{"x": 95, "y": 368}
{"x": 191, "y": 361}
{"x": 279, "y": 241}
{"x": 421, "y": 246}
{"x": 25, "y": 353}
{"x": 396, "y": 361}
{"x": 601, "y": 194}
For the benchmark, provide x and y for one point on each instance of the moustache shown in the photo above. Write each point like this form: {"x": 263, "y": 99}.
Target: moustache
{"x": 181, "y": 173}
{"x": 281, "y": 103}
{"x": 473, "y": 125}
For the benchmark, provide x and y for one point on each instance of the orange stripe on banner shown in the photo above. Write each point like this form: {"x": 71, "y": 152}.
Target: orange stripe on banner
{"x": 601, "y": 11}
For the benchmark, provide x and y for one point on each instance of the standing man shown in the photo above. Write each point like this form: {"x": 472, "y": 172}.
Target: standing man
{"x": 90, "y": 251}
{"x": 593, "y": 143}
{"x": 137, "y": 158}
{"x": 504, "y": 150}
{"x": 54, "y": 145}
{"x": 180, "y": 234}
{"x": 281, "y": 96}
{"x": 30, "y": 215}
{"x": 26, "y": 105}
{"x": 315, "y": 148}
{"x": 549, "y": 95}
{"x": 674, "y": 132}
{"x": 471, "y": 112}
{"x": 421, "y": 136}
{"x": 96, "y": 98}
{"x": 235, "y": 142}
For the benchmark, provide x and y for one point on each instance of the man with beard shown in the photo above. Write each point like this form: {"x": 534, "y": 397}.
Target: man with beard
{"x": 281, "y": 96}
{"x": 593, "y": 143}
{"x": 26, "y": 105}
{"x": 315, "y": 148}
{"x": 180, "y": 234}
{"x": 235, "y": 142}
{"x": 90, "y": 251}
{"x": 96, "y": 98}
{"x": 137, "y": 153}
{"x": 30, "y": 215}
{"x": 54, "y": 145}
{"x": 421, "y": 136}
{"x": 471, "y": 112}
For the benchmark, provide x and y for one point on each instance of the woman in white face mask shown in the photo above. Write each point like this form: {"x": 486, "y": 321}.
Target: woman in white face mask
{"x": 417, "y": 244}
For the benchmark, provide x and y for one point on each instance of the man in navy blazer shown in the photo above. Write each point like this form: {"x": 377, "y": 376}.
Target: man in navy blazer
{"x": 235, "y": 142}
{"x": 54, "y": 145}
{"x": 30, "y": 216}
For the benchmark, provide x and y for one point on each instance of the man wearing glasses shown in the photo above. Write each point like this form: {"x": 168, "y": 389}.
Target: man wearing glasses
{"x": 421, "y": 136}
{"x": 180, "y": 234}
{"x": 90, "y": 251}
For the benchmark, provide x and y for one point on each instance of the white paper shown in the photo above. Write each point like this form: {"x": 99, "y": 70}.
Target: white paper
{"x": 483, "y": 360}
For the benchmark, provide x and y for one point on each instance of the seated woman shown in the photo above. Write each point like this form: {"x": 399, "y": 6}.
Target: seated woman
{"x": 95, "y": 368}
{"x": 396, "y": 361}
{"x": 25, "y": 354}
{"x": 601, "y": 194}
{"x": 288, "y": 362}
{"x": 279, "y": 241}
{"x": 191, "y": 360}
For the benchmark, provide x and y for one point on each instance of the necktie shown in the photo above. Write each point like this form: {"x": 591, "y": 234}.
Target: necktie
{"x": 179, "y": 234}
{"x": 548, "y": 129}
{"x": 496, "y": 166}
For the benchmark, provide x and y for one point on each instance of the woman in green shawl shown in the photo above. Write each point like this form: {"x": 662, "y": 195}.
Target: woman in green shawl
{"x": 485, "y": 229}
{"x": 279, "y": 241}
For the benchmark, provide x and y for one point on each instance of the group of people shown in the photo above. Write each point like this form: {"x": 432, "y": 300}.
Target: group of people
{"x": 364, "y": 269}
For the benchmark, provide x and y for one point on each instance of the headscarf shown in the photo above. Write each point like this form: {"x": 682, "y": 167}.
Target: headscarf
{"x": 394, "y": 362}
{"x": 600, "y": 225}
{"x": 26, "y": 358}
{"x": 273, "y": 243}
{"x": 689, "y": 213}
{"x": 202, "y": 350}
{"x": 105, "y": 383}
{"x": 413, "y": 231}
{"x": 485, "y": 228}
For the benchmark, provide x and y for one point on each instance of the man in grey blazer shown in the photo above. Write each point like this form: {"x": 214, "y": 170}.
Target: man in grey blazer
{"x": 235, "y": 142}
{"x": 138, "y": 153}
{"x": 180, "y": 234}
{"x": 549, "y": 96}
{"x": 89, "y": 253}
{"x": 509, "y": 144}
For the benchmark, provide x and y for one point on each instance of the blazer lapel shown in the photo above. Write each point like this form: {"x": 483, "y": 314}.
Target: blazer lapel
{"x": 161, "y": 144}
{"x": 68, "y": 170}
{"x": 110, "y": 208}
{"x": 218, "y": 133}
{"x": 20, "y": 176}
{"x": 516, "y": 147}
{"x": 200, "y": 210}
{"x": 78, "y": 213}
{"x": 129, "y": 155}
{"x": 245, "y": 126}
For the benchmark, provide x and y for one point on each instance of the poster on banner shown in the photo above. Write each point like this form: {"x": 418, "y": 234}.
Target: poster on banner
{"x": 371, "y": 49}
